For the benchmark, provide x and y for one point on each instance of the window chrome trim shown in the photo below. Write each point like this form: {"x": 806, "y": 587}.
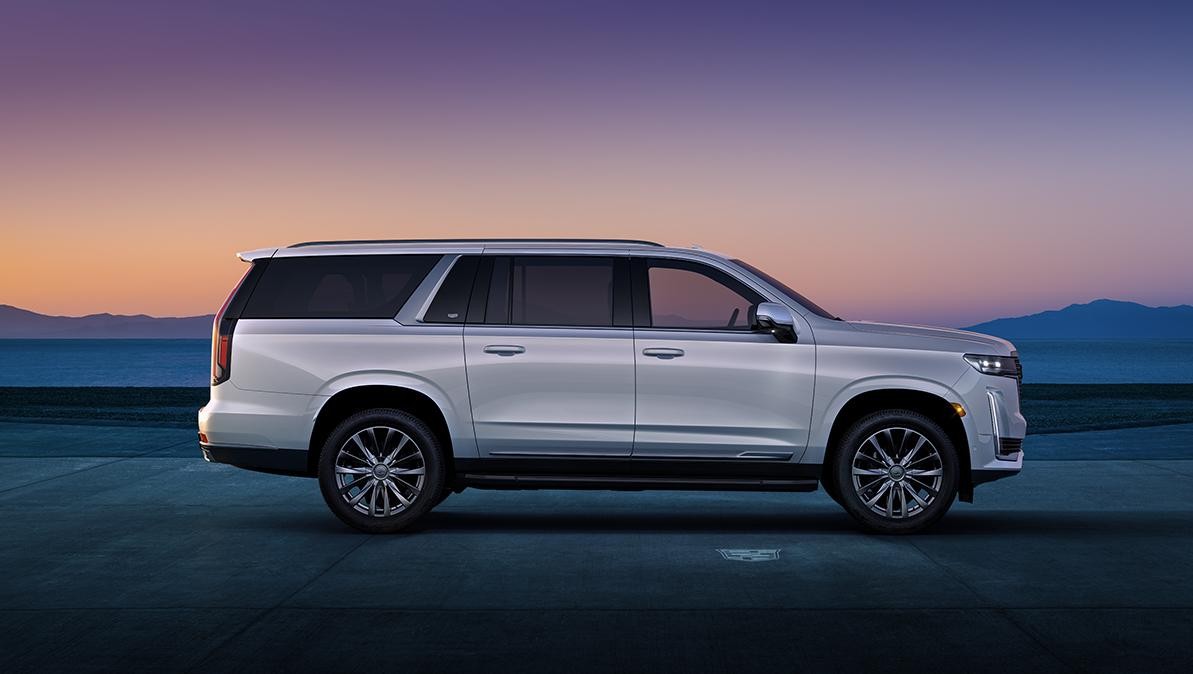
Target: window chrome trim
{"x": 717, "y": 263}
{"x": 698, "y": 267}
{"x": 420, "y": 300}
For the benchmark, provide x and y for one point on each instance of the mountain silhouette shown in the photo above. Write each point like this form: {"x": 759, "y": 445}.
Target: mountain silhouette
{"x": 1100, "y": 319}
{"x": 16, "y": 323}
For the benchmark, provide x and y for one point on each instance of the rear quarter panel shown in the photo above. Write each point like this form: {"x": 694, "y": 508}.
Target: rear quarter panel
{"x": 322, "y": 357}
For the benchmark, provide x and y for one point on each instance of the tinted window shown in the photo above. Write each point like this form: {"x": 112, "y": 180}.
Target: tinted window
{"x": 341, "y": 286}
{"x": 556, "y": 291}
{"x": 451, "y": 301}
{"x": 497, "y": 307}
{"x": 689, "y": 295}
{"x": 800, "y": 299}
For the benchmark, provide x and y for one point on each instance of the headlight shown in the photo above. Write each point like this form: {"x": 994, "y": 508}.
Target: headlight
{"x": 999, "y": 366}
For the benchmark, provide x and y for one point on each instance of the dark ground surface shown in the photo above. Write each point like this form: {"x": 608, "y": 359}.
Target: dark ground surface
{"x": 122, "y": 551}
{"x": 1051, "y": 408}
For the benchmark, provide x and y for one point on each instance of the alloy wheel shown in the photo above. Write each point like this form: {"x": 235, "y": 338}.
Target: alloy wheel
{"x": 897, "y": 473}
{"x": 380, "y": 471}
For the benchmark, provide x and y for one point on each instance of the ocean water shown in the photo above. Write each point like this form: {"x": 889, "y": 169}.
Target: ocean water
{"x": 186, "y": 362}
{"x": 1094, "y": 361}
{"x": 105, "y": 362}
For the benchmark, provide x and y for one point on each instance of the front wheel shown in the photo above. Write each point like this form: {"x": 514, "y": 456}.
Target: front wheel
{"x": 896, "y": 472}
{"x": 381, "y": 470}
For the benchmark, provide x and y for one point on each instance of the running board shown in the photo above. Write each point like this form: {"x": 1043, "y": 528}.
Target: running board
{"x": 631, "y": 483}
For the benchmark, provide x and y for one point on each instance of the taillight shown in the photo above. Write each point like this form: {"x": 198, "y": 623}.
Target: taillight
{"x": 221, "y": 356}
{"x": 221, "y": 340}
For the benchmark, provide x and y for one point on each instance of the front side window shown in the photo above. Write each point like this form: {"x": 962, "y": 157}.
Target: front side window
{"x": 337, "y": 286}
{"x": 790, "y": 292}
{"x": 688, "y": 295}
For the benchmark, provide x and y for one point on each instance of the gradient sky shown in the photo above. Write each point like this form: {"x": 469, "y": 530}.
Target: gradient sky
{"x": 926, "y": 163}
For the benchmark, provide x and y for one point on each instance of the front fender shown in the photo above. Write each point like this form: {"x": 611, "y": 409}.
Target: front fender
{"x": 826, "y": 413}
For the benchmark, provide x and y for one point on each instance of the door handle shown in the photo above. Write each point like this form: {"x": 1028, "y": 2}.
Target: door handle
{"x": 665, "y": 354}
{"x": 505, "y": 349}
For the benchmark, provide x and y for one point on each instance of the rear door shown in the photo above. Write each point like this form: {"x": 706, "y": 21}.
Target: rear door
{"x": 708, "y": 386}
{"x": 549, "y": 350}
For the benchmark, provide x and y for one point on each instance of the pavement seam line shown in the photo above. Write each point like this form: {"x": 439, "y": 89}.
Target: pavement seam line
{"x": 1148, "y": 462}
{"x": 98, "y": 465}
{"x": 142, "y": 455}
{"x": 55, "y": 477}
{"x": 199, "y": 665}
{"x": 1000, "y": 610}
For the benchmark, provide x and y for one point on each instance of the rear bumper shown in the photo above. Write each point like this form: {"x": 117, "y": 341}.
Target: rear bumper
{"x": 238, "y": 418}
{"x": 276, "y": 461}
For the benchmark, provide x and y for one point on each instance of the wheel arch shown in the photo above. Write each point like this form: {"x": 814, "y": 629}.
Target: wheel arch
{"x": 348, "y": 401}
{"x": 929, "y": 403}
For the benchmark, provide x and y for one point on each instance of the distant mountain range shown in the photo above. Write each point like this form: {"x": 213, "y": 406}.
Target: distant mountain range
{"x": 22, "y": 324}
{"x": 1100, "y": 319}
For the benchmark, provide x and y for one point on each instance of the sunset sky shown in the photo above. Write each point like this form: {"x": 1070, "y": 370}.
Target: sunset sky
{"x": 924, "y": 163}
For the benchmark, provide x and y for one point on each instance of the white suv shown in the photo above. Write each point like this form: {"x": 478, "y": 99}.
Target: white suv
{"x": 397, "y": 372}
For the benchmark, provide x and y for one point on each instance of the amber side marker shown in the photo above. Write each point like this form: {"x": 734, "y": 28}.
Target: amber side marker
{"x": 959, "y": 409}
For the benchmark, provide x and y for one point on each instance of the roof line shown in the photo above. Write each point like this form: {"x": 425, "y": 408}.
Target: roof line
{"x": 637, "y": 242}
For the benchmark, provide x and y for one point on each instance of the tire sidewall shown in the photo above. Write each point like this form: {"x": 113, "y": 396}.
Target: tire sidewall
{"x": 862, "y": 430}
{"x": 419, "y": 432}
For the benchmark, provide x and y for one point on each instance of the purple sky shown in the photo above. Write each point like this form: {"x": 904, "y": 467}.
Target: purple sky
{"x": 928, "y": 163}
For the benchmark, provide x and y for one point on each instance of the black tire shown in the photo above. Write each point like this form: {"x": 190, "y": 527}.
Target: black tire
{"x": 829, "y": 484}
{"x": 915, "y": 517}
{"x": 432, "y": 463}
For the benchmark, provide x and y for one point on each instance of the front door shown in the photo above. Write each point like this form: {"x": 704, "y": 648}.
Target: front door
{"x": 550, "y": 357}
{"x": 709, "y": 387}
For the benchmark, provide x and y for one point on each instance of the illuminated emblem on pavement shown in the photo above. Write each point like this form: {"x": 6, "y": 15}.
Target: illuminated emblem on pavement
{"x": 750, "y": 555}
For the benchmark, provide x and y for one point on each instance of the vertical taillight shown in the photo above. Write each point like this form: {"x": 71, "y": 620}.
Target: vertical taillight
{"x": 221, "y": 338}
{"x": 221, "y": 356}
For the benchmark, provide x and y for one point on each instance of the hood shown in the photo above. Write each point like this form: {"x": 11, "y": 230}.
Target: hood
{"x": 942, "y": 339}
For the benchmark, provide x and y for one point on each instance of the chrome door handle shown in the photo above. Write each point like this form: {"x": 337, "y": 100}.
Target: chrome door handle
{"x": 665, "y": 354}
{"x": 505, "y": 349}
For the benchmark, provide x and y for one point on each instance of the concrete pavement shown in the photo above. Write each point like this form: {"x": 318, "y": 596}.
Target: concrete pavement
{"x": 120, "y": 549}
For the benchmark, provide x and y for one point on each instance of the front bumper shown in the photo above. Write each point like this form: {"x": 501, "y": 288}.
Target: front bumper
{"x": 983, "y": 476}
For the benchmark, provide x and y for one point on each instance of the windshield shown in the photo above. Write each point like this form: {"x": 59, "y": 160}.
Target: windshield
{"x": 787, "y": 290}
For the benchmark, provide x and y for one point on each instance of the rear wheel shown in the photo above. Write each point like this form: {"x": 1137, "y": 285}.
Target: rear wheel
{"x": 896, "y": 472}
{"x": 381, "y": 470}
{"x": 829, "y": 483}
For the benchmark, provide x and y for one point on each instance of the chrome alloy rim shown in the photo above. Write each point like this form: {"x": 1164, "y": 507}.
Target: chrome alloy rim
{"x": 380, "y": 471}
{"x": 897, "y": 473}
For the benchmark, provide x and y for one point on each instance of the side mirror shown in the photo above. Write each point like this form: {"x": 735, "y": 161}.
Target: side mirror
{"x": 774, "y": 318}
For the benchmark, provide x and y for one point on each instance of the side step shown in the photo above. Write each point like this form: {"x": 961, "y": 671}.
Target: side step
{"x": 631, "y": 483}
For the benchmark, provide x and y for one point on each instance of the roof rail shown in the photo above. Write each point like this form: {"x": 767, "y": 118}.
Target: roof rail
{"x": 636, "y": 242}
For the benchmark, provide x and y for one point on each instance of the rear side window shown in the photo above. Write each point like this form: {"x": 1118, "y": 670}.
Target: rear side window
{"x": 561, "y": 291}
{"x": 339, "y": 286}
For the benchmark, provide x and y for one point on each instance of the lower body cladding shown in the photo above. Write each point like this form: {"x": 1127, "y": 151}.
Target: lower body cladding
{"x": 569, "y": 473}
{"x": 623, "y": 474}
{"x": 631, "y": 474}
